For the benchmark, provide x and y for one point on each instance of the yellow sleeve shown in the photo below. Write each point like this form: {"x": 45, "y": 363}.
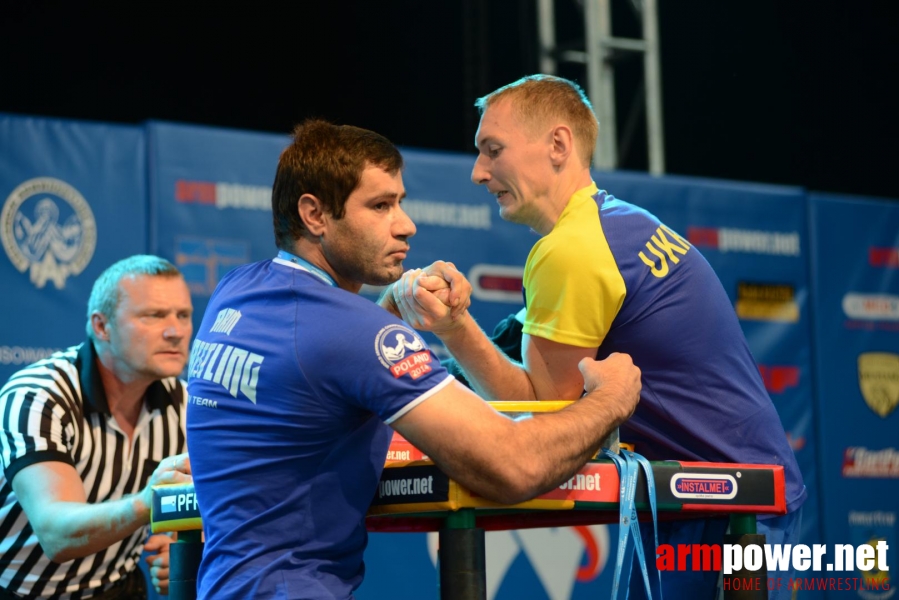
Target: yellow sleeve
{"x": 572, "y": 283}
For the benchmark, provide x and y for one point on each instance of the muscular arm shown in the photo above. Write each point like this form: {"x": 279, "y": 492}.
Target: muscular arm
{"x": 511, "y": 461}
{"x": 549, "y": 370}
{"x": 67, "y": 526}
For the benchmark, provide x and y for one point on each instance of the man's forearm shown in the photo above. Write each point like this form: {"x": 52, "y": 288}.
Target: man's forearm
{"x": 81, "y": 529}
{"x": 492, "y": 374}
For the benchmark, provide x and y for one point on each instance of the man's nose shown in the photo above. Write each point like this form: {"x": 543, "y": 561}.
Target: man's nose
{"x": 175, "y": 329}
{"x": 479, "y": 174}
{"x": 404, "y": 226}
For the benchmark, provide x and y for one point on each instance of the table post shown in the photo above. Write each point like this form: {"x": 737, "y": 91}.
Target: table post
{"x": 745, "y": 584}
{"x": 184, "y": 563}
{"x": 462, "y": 573}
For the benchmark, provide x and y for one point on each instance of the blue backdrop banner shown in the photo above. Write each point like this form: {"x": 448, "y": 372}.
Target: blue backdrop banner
{"x": 210, "y": 198}
{"x": 74, "y": 200}
{"x": 855, "y": 253}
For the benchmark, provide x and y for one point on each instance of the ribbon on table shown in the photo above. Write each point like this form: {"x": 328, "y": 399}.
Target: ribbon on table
{"x": 628, "y": 464}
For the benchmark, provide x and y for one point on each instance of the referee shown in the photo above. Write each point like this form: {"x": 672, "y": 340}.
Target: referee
{"x": 86, "y": 432}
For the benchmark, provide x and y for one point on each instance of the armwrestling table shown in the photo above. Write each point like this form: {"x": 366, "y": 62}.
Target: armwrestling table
{"x": 415, "y": 496}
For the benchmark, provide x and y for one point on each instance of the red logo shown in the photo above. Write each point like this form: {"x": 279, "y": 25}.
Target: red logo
{"x": 201, "y": 192}
{"x": 703, "y": 236}
{"x": 414, "y": 365}
{"x": 884, "y": 257}
{"x": 778, "y": 378}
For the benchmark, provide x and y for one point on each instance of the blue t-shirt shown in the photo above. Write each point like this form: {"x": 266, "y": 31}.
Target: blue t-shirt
{"x": 291, "y": 382}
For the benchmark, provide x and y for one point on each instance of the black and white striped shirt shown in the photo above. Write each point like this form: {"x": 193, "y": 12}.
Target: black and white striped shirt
{"x": 56, "y": 410}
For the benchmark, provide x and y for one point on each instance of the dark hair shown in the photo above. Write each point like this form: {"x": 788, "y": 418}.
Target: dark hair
{"x": 327, "y": 161}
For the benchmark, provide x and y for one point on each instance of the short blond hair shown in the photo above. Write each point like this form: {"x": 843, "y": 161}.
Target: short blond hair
{"x": 541, "y": 99}
{"x": 107, "y": 292}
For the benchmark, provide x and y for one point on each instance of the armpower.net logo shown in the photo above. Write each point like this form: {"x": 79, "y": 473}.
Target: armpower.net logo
{"x": 861, "y": 567}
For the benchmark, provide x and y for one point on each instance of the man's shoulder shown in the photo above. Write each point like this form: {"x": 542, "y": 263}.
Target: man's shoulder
{"x": 58, "y": 369}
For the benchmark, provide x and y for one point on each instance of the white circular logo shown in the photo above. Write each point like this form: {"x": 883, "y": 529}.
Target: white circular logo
{"x": 47, "y": 226}
{"x": 394, "y": 341}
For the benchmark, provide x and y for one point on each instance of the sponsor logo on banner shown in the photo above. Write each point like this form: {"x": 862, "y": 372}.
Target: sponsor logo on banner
{"x": 23, "y": 355}
{"x": 686, "y": 485}
{"x": 878, "y": 379}
{"x": 497, "y": 283}
{"x": 884, "y": 257}
{"x": 797, "y": 442}
{"x": 873, "y": 529}
{"x": 746, "y": 241}
{"x": 402, "y": 351}
{"x": 204, "y": 261}
{"x": 766, "y": 302}
{"x": 871, "y": 307}
{"x": 224, "y": 195}
{"x": 560, "y": 557}
{"x": 872, "y": 464}
{"x": 47, "y": 228}
{"x": 778, "y": 378}
{"x": 448, "y": 214}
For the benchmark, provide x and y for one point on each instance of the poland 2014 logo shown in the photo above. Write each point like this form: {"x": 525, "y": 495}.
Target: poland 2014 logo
{"x": 402, "y": 351}
{"x": 47, "y": 226}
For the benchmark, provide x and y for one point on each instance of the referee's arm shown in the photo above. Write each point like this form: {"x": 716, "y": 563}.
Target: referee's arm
{"x": 67, "y": 526}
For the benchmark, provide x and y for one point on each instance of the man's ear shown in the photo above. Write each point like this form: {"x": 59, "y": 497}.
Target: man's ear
{"x": 312, "y": 214}
{"x": 562, "y": 144}
{"x": 100, "y": 326}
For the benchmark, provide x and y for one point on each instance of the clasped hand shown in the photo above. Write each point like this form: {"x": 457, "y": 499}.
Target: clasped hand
{"x": 433, "y": 298}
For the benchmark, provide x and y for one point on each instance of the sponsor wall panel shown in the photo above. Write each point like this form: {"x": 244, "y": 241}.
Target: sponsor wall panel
{"x": 856, "y": 293}
{"x": 755, "y": 237}
{"x": 210, "y": 198}
{"x": 73, "y": 202}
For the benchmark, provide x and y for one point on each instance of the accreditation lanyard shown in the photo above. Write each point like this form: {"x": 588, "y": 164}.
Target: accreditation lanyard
{"x": 628, "y": 465}
{"x": 305, "y": 265}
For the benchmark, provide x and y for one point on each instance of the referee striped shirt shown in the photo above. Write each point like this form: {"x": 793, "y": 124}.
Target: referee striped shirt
{"x": 56, "y": 410}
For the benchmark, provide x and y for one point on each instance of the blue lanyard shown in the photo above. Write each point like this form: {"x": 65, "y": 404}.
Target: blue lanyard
{"x": 305, "y": 265}
{"x": 628, "y": 465}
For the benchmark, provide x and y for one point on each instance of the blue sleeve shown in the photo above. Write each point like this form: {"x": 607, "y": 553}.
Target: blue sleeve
{"x": 374, "y": 360}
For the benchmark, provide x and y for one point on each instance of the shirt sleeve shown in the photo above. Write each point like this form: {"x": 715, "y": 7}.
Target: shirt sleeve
{"x": 34, "y": 424}
{"x": 378, "y": 363}
{"x": 573, "y": 286}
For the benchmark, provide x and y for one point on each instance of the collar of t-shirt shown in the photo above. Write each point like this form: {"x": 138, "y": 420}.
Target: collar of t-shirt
{"x": 305, "y": 265}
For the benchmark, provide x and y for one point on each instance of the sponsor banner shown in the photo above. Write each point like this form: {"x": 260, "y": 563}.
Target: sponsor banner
{"x": 72, "y": 202}
{"x": 211, "y": 200}
{"x": 857, "y": 357}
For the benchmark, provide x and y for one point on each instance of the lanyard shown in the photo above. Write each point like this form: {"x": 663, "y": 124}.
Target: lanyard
{"x": 628, "y": 465}
{"x": 305, "y": 265}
